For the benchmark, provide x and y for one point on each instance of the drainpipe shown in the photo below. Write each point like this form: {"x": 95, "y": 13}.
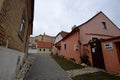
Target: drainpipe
{"x": 79, "y": 42}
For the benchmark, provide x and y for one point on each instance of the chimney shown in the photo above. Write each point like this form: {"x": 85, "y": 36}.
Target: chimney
{"x": 74, "y": 27}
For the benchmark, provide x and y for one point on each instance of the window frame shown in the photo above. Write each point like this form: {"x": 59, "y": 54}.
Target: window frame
{"x": 50, "y": 50}
{"x": 104, "y": 25}
{"x": 21, "y": 33}
{"x": 44, "y": 49}
{"x": 40, "y": 49}
{"x": 65, "y": 46}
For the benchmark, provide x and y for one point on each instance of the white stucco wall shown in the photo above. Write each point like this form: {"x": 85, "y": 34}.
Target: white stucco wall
{"x": 32, "y": 51}
{"x": 8, "y": 63}
{"x": 58, "y": 38}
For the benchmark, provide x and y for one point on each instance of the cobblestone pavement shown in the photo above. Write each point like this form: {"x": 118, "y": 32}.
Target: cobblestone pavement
{"x": 73, "y": 73}
{"x": 45, "y": 68}
{"x": 26, "y": 66}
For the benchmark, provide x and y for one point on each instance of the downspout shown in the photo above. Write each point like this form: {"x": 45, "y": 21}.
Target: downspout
{"x": 79, "y": 42}
{"x": 26, "y": 41}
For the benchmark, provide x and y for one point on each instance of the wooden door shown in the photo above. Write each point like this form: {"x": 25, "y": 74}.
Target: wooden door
{"x": 97, "y": 55}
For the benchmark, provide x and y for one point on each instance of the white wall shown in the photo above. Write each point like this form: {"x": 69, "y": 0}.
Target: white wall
{"x": 32, "y": 51}
{"x": 58, "y": 38}
{"x": 8, "y": 63}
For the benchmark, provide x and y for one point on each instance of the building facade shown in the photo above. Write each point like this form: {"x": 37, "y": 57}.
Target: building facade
{"x": 44, "y": 47}
{"x": 98, "y": 27}
{"x": 70, "y": 47}
{"x": 43, "y": 37}
{"x": 16, "y": 23}
{"x": 111, "y": 54}
{"x": 58, "y": 38}
{"x": 104, "y": 54}
{"x": 33, "y": 41}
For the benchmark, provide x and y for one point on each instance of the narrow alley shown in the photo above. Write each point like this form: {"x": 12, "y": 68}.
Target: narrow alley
{"x": 45, "y": 68}
{"x": 59, "y": 40}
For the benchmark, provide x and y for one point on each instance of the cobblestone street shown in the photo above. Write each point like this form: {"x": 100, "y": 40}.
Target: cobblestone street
{"x": 86, "y": 70}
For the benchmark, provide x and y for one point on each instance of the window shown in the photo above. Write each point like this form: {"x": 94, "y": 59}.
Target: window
{"x": 49, "y": 49}
{"x": 94, "y": 38}
{"x": 64, "y": 46}
{"x": 39, "y": 49}
{"x": 36, "y": 40}
{"x": 43, "y": 49}
{"x": 22, "y": 26}
{"x": 33, "y": 47}
{"x": 104, "y": 25}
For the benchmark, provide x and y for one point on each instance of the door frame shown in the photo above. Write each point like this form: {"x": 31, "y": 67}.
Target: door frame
{"x": 96, "y": 53}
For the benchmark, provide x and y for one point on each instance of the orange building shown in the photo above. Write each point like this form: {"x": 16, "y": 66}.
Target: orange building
{"x": 104, "y": 53}
{"x": 58, "y": 38}
{"x": 111, "y": 54}
{"x": 83, "y": 43}
{"x": 70, "y": 47}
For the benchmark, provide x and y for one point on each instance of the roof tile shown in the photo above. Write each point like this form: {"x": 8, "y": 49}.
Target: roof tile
{"x": 42, "y": 44}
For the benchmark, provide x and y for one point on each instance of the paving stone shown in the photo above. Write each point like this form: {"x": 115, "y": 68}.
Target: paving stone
{"x": 30, "y": 59}
{"x": 73, "y": 73}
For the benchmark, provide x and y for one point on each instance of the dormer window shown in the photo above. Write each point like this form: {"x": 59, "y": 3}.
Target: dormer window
{"x": 104, "y": 25}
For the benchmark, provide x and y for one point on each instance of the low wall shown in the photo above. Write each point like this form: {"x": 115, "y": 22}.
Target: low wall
{"x": 10, "y": 62}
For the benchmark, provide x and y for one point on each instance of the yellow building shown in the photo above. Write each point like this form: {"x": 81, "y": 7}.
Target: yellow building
{"x": 44, "y": 47}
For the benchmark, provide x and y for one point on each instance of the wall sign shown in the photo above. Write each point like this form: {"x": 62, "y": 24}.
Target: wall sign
{"x": 108, "y": 46}
{"x": 93, "y": 50}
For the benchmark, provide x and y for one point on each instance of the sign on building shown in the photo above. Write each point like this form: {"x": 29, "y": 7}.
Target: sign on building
{"x": 108, "y": 46}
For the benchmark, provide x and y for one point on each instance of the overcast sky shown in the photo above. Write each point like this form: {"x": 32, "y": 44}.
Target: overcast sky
{"x": 53, "y": 16}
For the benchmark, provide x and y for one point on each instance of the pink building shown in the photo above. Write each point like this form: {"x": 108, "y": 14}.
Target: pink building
{"x": 69, "y": 46}
{"x": 97, "y": 28}
{"x": 58, "y": 38}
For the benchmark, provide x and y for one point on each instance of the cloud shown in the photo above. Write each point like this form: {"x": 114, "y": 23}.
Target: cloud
{"x": 52, "y": 16}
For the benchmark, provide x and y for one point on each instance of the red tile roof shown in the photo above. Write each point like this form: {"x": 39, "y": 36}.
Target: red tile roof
{"x": 42, "y": 44}
{"x": 62, "y": 33}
